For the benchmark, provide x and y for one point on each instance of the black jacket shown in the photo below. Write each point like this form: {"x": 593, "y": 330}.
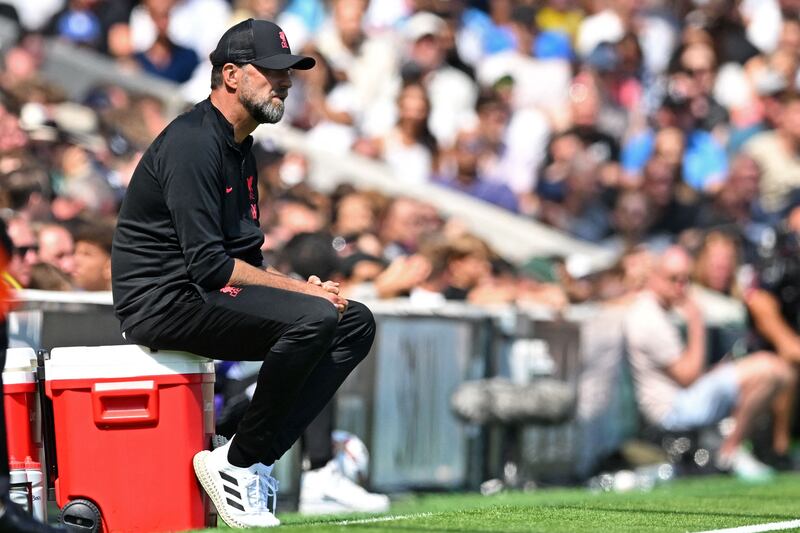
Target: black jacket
{"x": 190, "y": 209}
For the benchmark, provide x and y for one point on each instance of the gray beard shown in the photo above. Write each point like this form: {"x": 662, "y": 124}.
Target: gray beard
{"x": 265, "y": 112}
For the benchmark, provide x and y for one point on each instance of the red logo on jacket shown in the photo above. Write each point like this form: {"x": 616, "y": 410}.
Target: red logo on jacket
{"x": 252, "y": 194}
{"x": 233, "y": 292}
{"x": 250, "y": 188}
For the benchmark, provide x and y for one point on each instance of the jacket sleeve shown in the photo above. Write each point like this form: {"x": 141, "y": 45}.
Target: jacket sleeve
{"x": 191, "y": 167}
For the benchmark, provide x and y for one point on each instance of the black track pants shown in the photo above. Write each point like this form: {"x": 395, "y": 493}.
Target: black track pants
{"x": 307, "y": 352}
{"x": 317, "y": 440}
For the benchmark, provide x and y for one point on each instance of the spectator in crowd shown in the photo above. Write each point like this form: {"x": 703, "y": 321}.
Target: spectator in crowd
{"x": 450, "y": 38}
{"x": 776, "y": 152}
{"x": 164, "y": 58}
{"x": 493, "y": 114}
{"x": 515, "y": 141}
{"x": 48, "y": 277}
{"x": 194, "y": 24}
{"x": 369, "y": 276}
{"x": 325, "y": 106}
{"x": 27, "y": 191}
{"x": 673, "y": 389}
{"x": 606, "y": 25}
{"x": 402, "y": 227}
{"x": 468, "y": 152}
{"x": 526, "y": 70}
{"x": 466, "y": 266}
{"x": 84, "y": 186}
{"x": 760, "y": 106}
{"x": 736, "y": 206}
{"x": 672, "y": 205}
{"x": 452, "y": 93}
{"x": 368, "y": 62}
{"x": 13, "y": 517}
{"x": 21, "y": 67}
{"x": 560, "y": 16}
{"x": 636, "y": 264}
{"x": 773, "y": 307}
{"x": 87, "y": 22}
{"x": 57, "y": 248}
{"x": 24, "y": 253}
{"x": 704, "y": 163}
{"x": 772, "y": 300}
{"x": 409, "y": 148}
{"x": 725, "y": 27}
{"x": 595, "y": 119}
{"x": 630, "y": 221}
{"x": 93, "y": 257}
{"x": 294, "y": 214}
{"x": 257, "y": 9}
{"x": 717, "y": 263}
{"x": 355, "y": 213}
{"x": 430, "y": 290}
{"x": 580, "y": 211}
{"x": 698, "y": 63}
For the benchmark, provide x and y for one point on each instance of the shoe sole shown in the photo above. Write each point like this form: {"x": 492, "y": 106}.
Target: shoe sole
{"x": 319, "y": 508}
{"x": 204, "y": 476}
{"x": 335, "y": 507}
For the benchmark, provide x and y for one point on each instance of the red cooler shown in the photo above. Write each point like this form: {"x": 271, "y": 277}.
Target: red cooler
{"x": 19, "y": 396}
{"x": 128, "y": 422}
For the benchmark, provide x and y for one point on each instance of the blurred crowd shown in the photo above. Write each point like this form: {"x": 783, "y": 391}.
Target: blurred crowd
{"x": 635, "y": 125}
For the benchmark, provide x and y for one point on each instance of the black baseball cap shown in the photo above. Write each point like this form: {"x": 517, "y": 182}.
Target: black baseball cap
{"x": 258, "y": 42}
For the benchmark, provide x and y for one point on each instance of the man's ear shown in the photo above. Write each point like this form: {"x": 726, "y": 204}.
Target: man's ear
{"x": 230, "y": 76}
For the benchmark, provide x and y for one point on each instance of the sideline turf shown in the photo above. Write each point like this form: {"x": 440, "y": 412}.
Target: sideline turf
{"x": 696, "y": 504}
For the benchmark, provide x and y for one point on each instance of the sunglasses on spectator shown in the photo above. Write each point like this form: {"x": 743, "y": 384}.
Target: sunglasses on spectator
{"x": 697, "y": 71}
{"x": 683, "y": 279}
{"x": 22, "y": 251}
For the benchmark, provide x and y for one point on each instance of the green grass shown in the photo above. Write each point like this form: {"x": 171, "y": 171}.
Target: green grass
{"x": 696, "y": 504}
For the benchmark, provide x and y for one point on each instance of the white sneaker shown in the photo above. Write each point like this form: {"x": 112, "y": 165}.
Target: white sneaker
{"x": 241, "y": 495}
{"x": 745, "y": 466}
{"x": 327, "y": 490}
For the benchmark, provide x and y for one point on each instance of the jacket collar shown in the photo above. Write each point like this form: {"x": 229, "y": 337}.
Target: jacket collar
{"x": 226, "y": 128}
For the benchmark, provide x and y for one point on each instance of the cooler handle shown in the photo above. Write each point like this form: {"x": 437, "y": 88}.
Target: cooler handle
{"x": 125, "y": 403}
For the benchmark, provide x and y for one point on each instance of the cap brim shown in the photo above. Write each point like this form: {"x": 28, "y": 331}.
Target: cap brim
{"x": 282, "y": 61}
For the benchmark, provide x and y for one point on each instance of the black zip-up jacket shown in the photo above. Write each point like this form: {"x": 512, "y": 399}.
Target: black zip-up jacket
{"x": 190, "y": 209}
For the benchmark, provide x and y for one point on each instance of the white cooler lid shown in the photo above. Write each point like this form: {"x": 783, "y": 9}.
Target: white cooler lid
{"x": 20, "y": 359}
{"x": 19, "y": 366}
{"x": 124, "y": 361}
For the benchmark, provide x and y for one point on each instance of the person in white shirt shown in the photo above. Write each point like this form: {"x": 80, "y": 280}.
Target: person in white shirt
{"x": 673, "y": 388}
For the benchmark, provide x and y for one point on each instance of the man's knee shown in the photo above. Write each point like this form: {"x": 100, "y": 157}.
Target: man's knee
{"x": 321, "y": 316}
{"x": 363, "y": 319}
{"x": 785, "y": 373}
{"x": 768, "y": 367}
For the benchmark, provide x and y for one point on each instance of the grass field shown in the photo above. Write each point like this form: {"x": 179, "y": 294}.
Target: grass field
{"x": 697, "y": 504}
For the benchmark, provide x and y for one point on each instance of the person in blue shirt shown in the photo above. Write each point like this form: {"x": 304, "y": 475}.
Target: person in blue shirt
{"x": 164, "y": 58}
{"x": 704, "y": 160}
{"x": 467, "y": 178}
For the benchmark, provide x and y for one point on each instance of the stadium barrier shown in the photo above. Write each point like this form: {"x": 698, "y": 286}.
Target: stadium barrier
{"x": 398, "y": 400}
